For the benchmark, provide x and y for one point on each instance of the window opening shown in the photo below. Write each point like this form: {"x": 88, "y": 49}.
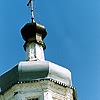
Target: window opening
{"x": 33, "y": 99}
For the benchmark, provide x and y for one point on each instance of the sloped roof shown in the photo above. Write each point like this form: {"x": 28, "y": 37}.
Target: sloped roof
{"x": 34, "y": 70}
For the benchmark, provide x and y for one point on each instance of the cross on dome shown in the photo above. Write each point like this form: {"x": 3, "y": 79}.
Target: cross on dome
{"x": 31, "y": 5}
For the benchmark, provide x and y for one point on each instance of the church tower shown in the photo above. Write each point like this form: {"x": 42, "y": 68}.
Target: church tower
{"x": 35, "y": 78}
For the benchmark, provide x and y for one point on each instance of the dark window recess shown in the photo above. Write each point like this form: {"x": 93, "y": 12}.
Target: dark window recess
{"x": 33, "y": 99}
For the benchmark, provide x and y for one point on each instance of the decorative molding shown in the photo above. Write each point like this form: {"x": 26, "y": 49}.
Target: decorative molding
{"x": 39, "y": 87}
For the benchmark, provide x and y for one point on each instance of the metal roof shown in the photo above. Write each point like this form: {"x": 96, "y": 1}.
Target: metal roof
{"x": 34, "y": 70}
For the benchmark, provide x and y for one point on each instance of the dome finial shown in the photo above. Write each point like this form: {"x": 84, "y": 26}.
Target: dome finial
{"x": 30, "y": 4}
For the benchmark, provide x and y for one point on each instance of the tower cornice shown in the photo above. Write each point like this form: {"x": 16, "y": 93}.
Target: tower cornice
{"x": 34, "y": 71}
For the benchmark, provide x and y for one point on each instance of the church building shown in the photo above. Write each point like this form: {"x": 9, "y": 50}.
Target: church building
{"x": 36, "y": 78}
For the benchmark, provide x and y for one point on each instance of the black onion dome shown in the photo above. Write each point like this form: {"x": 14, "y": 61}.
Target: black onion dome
{"x": 30, "y": 30}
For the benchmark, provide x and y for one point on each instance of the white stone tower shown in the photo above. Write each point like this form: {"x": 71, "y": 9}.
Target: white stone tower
{"x": 36, "y": 78}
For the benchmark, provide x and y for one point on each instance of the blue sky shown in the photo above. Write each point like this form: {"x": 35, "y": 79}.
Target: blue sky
{"x": 73, "y": 39}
